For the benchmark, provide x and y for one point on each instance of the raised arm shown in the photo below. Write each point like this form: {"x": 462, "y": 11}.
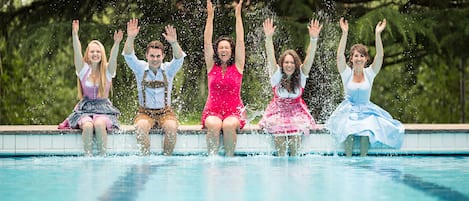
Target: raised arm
{"x": 313, "y": 28}
{"x": 269, "y": 30}
{"x": 378, "y": 60}
{"x": 77, "y": 55}
{"x": 240, "y": 48}
{"x": 341, "y": 61}
{"x": 112, "y": 66}
{"x": 208, "y": 48}
{"x": 171, "y": 37}
{"x": 132, "y": 31}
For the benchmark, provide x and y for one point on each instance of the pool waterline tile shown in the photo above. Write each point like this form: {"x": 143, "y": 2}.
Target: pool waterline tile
{"x": 192, "y": 139}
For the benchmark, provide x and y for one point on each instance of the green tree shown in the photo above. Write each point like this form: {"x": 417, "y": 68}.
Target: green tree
{"x": 423, "y": 79}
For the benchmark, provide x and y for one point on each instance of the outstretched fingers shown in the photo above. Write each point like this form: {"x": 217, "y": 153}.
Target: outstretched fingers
{"x": 314, "y": 28}
{"x": 269, "y": 27}
{"x": 171, "y": 34}
{"x": 132, "y": 28}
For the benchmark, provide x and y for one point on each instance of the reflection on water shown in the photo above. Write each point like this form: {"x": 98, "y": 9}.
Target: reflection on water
{"x": 127, "y": 186}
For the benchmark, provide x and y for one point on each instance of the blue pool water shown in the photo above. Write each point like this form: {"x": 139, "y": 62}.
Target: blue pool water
{"x": 240, "y": 178}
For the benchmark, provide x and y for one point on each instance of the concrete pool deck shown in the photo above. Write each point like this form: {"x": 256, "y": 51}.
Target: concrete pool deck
{"x": 46, "y": 140}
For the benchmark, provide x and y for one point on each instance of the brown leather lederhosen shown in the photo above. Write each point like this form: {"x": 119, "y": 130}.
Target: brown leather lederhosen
{"x": 155, "y": 113}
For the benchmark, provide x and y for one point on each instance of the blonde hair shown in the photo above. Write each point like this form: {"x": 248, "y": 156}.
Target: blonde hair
{"x": 102, "y": 70}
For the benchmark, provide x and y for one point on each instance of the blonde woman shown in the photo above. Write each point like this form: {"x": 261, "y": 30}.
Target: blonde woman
{"x": 94, "y": 114}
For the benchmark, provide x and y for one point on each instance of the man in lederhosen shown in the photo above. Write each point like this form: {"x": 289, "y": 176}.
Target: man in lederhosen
{"x": 154, "y": 83}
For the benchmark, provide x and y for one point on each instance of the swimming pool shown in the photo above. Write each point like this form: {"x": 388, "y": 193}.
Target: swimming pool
{"x": 239, "y": 178}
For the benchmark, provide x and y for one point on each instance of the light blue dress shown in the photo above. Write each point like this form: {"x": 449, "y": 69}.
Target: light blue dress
{"x": 358, "y": 116}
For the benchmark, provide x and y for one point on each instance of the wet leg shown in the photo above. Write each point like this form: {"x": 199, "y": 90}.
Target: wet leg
{"x": 142, "y": 128}
{"x": 170, "y": 134}
{"x": 213, "y": 125}
{"x": 294, "y": 144}
{"x": 281, "y": 145}
{"x": 87, "y": 136}
{"x": 230, "y": 125}
{"x": 349, "y": 145}
{"x": 364, "y": 144}
{"x": 101, "y": 135}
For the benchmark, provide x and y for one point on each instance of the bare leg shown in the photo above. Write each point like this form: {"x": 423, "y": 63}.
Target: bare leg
{"x": 280, "y": 145}
{"x": 101, "y": 135}
{"x": 213, "y": 125}
{"x": 170, "y": 134}
{"x": 87, "y": 136}
{"x": 143, "y": 138}
{"x": 349, "y": 145}
{"x": 364, "y": 145}
{"x": 230, "y": 125}
{"x": 294, "y": 144}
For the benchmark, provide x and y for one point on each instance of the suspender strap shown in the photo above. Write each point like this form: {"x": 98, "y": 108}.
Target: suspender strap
{"x": 153, "y": 84}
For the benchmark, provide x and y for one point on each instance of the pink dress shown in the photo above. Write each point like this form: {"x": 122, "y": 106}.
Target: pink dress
{"x": 224, "y": 94}
{"x": 287, "y": 115}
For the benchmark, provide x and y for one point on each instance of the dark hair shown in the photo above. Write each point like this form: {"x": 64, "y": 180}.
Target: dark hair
{"x": 155, "y": 44}
{"x": 294, "y": 82}
{"x": 360, "y": 48}
{"x": 215, "y": 49}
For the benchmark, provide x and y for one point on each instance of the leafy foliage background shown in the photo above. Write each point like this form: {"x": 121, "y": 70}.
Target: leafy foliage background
{"x": 423, "y": 79}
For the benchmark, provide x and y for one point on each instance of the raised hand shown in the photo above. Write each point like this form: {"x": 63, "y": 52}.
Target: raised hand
{"x": 269, "y": 27}
{"x": 343, "y": 25}
{"x": 314, "y": 28}
{"x": 132, "y": 28}
{"x": 75, "y": 26}
{"x": 170, "y": 35}
{"x": 118, "y": 35}
{"x": 238, "y": 8}
{"x": 380, "y": 26}
{"x": 209, "y": 8}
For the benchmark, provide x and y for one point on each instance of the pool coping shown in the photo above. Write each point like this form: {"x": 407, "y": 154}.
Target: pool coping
{"x": 40, "y": 140}
{"x": 52, "y": 129}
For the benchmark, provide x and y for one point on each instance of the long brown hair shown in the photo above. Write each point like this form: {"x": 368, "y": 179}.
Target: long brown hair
{"x": 102, "y": 70}
{"x": 294, "y": 82}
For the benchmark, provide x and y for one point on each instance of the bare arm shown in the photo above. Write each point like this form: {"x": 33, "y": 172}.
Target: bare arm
{"x": 208, "y": 48}
{"x": 240, "y": 48}
{"x": 314, "y": 28}
{"x": 378, "y": 60}
{"x": 77, "y": 55}
{"x": 112, "y": 66}
{"x": 269, "y": 30}
{"x": 341, "y": 61}
{"x": 171, "y": 37}
{"x": 132, "y": 31}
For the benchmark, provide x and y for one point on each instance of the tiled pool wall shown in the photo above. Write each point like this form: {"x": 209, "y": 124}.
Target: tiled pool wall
{"x": 419, "y": 139}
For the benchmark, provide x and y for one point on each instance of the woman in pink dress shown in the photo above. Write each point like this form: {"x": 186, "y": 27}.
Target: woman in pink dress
{"x": 224, "y": 109}
{"x": 287, "y": 116}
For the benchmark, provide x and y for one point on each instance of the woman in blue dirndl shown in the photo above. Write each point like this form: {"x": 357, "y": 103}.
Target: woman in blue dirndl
{"x": 357, "y": 115}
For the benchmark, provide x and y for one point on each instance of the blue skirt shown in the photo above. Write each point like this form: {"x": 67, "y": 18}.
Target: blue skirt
{"x": 365, "y": 119}
{"x": 90, "y": 107}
